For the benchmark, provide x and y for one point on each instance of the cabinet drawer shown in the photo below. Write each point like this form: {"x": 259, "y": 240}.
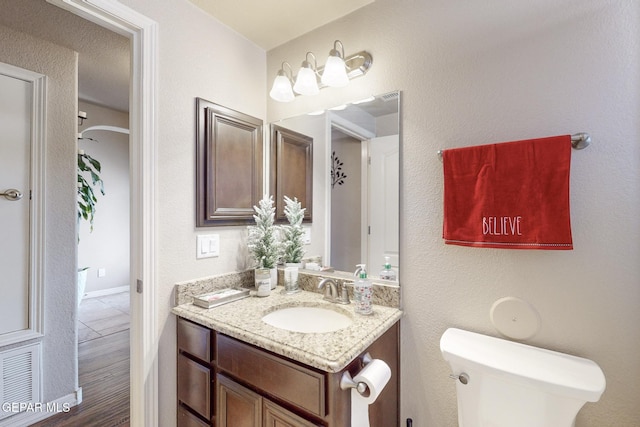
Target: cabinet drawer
{"x": 288, "y": 381}
{"x": 194, "y": 339}
{"x": 194, "y": 386}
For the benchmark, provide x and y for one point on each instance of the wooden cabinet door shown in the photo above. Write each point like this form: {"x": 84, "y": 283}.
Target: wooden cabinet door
{"x": 187, "y": 419}
{"x": 237, "y": 405}
{"x": 291, "y": 170}
{"x": 229, "y": 165}
{"x": 277, "y": 416}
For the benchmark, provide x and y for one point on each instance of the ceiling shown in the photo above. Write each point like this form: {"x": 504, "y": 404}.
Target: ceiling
{"x": 103, "y": 56}
{"x": 267, "y": 23}
{"x": 270, "y": 23}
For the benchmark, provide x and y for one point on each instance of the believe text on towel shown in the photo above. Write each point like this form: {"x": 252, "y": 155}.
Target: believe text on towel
{"x": 501, "y": 225}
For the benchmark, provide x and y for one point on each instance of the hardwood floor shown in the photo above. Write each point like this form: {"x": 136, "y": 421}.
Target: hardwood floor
{"x": 103, "y": 365}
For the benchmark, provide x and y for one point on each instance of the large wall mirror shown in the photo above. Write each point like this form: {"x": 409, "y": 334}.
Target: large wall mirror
{"x": 356, "y": 182}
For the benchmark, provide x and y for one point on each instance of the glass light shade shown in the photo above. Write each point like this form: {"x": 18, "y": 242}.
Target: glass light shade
{"x": 306, "y": 82}
{"x": 281, "y": 90}
{"x": 335, "y": 72}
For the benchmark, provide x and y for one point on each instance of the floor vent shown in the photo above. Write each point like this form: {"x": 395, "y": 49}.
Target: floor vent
{"x": 20, "y": 383}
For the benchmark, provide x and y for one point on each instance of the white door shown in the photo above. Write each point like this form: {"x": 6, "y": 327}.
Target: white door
{"x": 22, "y": 119}
{"x": 384, "y": 202}
{"x": 15, "y": 128}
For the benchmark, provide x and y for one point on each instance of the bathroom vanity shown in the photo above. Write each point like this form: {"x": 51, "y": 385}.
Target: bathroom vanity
{"x": 236, "y": 370}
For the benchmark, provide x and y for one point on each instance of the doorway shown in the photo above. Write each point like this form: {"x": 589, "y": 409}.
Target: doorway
{"x": 104, "y": 236}
{"x": 348, "y": 244}
{"x": 103, "y": 328}
{"x": 365, "y": 196}
{"x": 142, "y": 33}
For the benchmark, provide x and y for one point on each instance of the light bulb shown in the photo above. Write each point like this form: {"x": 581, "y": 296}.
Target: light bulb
{"x": 335, "y": 71}
{"x": 306, "y": 82}
{"x": 281, "y": 90}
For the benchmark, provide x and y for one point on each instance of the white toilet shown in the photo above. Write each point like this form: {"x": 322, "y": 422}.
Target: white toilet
{"x": 502, "y": 383}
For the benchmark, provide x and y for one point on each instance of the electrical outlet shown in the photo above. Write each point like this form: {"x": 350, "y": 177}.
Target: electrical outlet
{"x": 102, "y": 272}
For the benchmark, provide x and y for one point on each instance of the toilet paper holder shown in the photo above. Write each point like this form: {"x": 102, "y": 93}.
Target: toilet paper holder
{"x": 347, "y": 382}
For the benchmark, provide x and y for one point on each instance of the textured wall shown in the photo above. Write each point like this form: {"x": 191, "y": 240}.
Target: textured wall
{"x": 474, "y": 73}
{"x": 59, "y": 65}
{"x": 198, "y": 57}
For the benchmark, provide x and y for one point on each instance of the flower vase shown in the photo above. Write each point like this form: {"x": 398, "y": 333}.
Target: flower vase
{"x": 263, "y": 282}
{"x": 291, "y": 277}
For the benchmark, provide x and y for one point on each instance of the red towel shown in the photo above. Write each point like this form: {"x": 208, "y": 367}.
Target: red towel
{"x": 511, "y": 195}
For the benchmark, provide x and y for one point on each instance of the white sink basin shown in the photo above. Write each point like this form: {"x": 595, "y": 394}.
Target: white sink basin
{"x": 307, "y": 319}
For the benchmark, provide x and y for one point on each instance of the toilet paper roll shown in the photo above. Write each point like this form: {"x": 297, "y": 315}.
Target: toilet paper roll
{"x": 375, "y": 375}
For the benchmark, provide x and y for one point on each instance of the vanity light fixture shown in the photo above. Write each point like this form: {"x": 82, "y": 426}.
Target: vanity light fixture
{"x": 281, "y": 90}
{"x": 306, "y": 82}
{"x": 337, "y": 72}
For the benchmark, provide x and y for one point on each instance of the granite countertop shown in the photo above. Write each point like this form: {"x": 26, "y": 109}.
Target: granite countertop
{"x": 330, "y": 352}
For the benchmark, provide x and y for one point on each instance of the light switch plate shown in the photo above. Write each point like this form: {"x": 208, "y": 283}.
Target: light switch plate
{"x": 306, "y": 238}
{"x": 207, "y": 245}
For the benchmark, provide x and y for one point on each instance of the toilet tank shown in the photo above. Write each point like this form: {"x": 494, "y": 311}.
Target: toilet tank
{"x": 512, "y": 384}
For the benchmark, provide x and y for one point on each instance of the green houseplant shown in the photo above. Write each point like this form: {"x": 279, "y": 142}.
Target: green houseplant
{"x": 88, "y": 168}
{"x": 292, "y": 234}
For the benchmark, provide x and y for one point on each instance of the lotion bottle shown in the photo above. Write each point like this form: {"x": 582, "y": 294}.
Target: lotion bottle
{"x": 387, "y": 273}
{"x": 363, "y": 292}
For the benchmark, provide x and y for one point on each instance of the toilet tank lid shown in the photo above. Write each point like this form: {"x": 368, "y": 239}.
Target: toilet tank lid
{"x": 575, "y": 376}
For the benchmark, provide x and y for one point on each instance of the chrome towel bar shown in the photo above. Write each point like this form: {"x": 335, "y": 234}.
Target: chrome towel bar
{"x": 578, "y": 142}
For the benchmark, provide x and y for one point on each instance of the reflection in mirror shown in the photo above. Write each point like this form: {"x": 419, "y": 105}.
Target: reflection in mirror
{"x": 356, "y": 183}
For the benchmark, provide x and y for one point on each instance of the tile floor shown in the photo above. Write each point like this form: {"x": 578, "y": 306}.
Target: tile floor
{"x": 102, "y": 316}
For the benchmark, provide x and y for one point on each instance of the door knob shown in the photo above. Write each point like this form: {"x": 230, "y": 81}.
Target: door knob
{"x": 12, "y": 194}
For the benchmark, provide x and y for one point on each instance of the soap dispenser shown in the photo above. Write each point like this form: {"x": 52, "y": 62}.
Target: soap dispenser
{"x": 363, "y": 292}
{"x": 387, "y": 273}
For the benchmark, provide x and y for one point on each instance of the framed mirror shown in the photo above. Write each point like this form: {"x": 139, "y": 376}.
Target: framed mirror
{"x": 356, "y": 182}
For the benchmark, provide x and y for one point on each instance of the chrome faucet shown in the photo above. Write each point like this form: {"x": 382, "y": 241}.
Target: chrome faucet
{"x": 331, "y": 291}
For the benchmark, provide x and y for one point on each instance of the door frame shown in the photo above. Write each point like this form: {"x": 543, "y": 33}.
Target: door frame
{"x": 143, "y": 34}
{"x": 363, "y": 135}
{"x": 36, "y": 197}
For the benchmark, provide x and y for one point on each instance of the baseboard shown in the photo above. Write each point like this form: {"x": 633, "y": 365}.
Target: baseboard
{"x": 39, "y": 411}
{"x": 105, "y": 292}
